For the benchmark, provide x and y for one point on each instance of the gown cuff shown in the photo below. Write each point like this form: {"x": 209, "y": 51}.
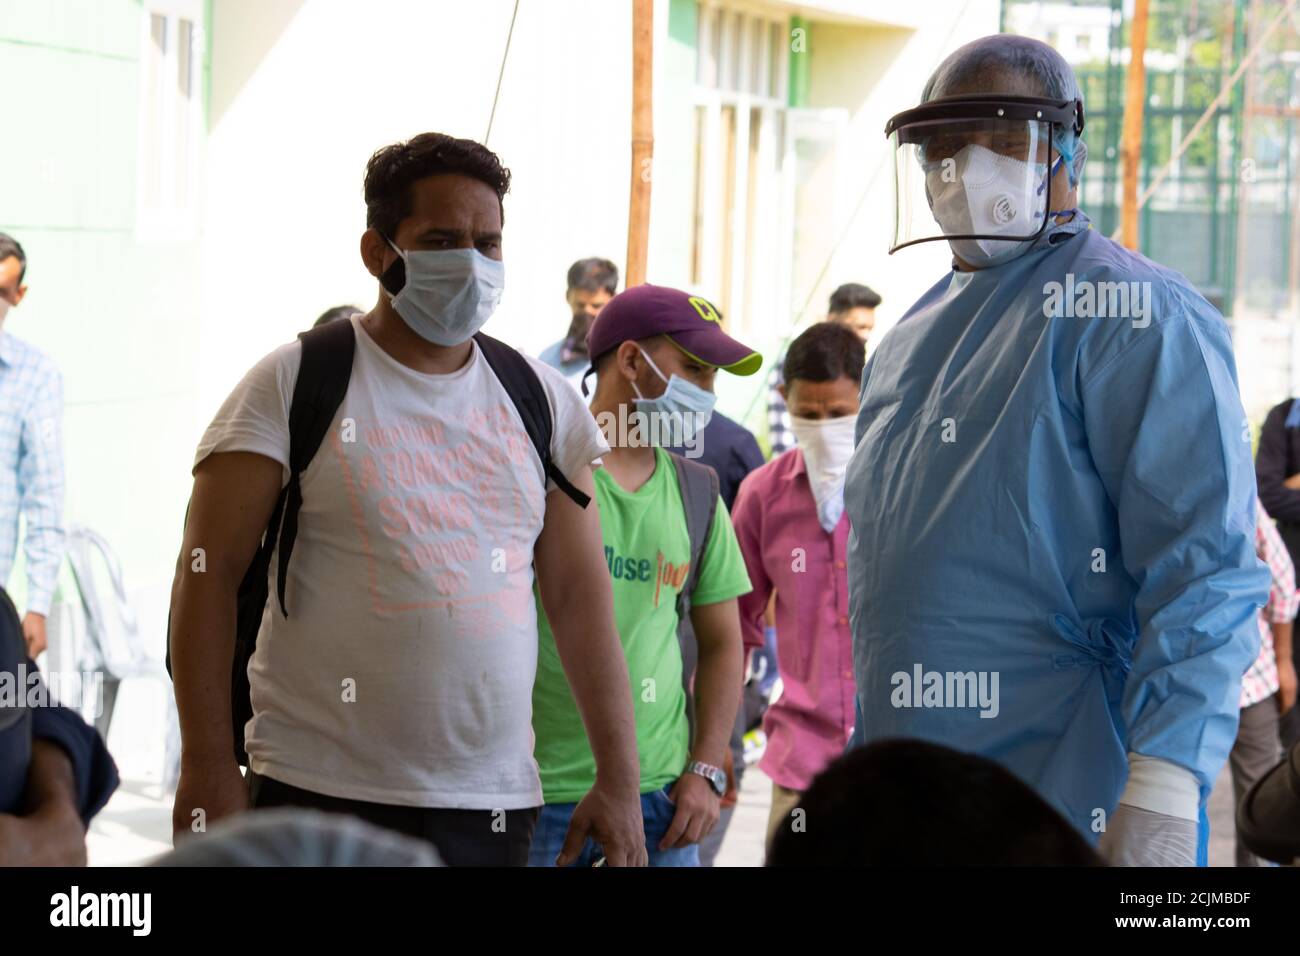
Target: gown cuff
{"x": 1161, "y": 787}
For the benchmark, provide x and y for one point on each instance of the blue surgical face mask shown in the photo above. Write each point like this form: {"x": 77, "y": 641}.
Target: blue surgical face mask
{"x": 692, "y": 404}
{"x": 449, "y": 294}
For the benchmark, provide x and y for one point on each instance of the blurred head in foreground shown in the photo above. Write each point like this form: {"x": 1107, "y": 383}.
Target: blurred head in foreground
{"x": 293, "y": 837}
{"x": 912, "y": 803}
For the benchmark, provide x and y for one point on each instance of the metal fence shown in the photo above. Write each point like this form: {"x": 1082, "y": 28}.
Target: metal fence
{"x": 1227, "y": 216}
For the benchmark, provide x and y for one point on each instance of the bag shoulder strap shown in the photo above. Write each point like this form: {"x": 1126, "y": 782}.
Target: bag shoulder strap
{"x": 699, "y": 487}
{"x": 322, "y": 382}
{"x": 529, "y": 397}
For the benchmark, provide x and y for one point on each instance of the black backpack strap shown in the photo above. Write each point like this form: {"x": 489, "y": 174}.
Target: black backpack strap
{"x": 698, "y": 485}
{"x": 322, "y": 382}
{"x": 529, "y": 397}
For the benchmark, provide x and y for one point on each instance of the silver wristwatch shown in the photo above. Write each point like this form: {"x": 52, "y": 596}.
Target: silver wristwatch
{"x": 716, "y": 776}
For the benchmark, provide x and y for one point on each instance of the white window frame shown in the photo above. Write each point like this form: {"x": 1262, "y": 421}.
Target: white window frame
{"x": 762, "y": 277}
{"x": 178, "y": 217}
{"x": 827, "y": 126}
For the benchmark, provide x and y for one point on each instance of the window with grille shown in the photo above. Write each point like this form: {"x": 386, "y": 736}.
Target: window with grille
{"x": 740, "y": 100}
{"x": 171, "y": 119}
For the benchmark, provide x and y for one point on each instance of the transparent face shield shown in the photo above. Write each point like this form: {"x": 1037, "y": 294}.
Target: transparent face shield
{"x": 980, "y": 182}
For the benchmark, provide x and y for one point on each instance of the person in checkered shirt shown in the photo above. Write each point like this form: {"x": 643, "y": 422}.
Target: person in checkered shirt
{"x": 31, "y": 455}
{"x": 851, "y": 304}
{"x": 1268, "y": 688}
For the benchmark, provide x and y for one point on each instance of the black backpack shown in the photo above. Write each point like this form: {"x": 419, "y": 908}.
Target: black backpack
{"x": 317, "y": 394}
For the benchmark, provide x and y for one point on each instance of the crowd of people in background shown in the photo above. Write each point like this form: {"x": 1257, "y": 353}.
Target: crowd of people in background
{"x": 55, "y": 772}
{"x": 440, "y": 602}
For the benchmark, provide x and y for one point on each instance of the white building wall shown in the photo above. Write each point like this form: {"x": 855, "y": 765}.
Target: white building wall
{"x": 305, "y": 91}
{"x": 875, "y": 71}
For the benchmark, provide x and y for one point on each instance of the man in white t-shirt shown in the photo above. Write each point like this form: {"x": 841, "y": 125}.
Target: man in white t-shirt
{"x": 398, "y": 687}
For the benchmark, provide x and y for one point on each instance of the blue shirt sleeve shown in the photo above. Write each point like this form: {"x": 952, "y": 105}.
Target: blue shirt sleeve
{"x": 93, "y": 768}
{"x": 745, "y": 457}
{"x": 40, "y": 487}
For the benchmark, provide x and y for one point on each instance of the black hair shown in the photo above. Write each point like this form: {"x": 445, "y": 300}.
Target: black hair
{"x": 592, "y": 275}
{"x": 393, "y": 170}
{"x": 9, "y": 248}
{"x": 600, "y": 362}
{"x": 824, "y": 352}
{"x": 338, "y": 312}
{"x": 913, "y": 803}
{"x": 852, "y": 295}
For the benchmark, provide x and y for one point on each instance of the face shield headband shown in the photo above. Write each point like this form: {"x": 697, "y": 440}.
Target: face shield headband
{"x": 980, "y": 167}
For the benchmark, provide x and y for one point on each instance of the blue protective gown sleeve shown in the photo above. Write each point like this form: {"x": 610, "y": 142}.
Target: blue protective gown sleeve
{"x": 1171, "y": 446}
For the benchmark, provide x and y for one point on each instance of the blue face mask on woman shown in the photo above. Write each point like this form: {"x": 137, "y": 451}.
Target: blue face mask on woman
{"x": 692, "y": 404}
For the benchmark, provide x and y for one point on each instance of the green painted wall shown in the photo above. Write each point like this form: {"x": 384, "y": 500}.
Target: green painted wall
{"x": 119, "y": 315}
{"x": 800, "y": 67}
{"x": 672, "y": 223}
{"x": 682, "y": 16}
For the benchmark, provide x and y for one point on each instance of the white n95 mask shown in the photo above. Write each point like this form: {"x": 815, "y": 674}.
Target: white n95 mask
{"x": 449, "y": 293}
{"x": 990, "y": 194}
{"x": 827, "y": 446}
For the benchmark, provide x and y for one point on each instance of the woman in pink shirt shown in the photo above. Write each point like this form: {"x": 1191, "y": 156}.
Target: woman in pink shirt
{"x": 790, "y": 522}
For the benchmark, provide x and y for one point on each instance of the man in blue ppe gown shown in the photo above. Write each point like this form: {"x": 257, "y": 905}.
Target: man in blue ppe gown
{"x": 1052, "y": 555}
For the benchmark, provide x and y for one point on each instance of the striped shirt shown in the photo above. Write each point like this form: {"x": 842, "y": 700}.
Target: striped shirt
{"x": 31, "y": 466}
{"x": 780, "y": 436}
{"x": 1260, "y": 680}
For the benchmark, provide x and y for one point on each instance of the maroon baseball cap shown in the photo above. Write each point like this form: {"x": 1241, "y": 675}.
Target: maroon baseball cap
{"x": 692, "y": 322}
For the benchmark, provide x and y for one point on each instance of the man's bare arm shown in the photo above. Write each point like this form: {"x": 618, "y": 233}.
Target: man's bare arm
{"x": 50, "y": 833}
{"x": 718, "y": 678}
{"x": 575, "y": 589}
{"x": 1286, "y": 675}
{"x": 574, "y": 584}
{"x": 234, "y": 495}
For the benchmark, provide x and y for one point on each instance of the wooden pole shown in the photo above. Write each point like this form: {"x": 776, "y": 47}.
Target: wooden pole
{"x": 638, "y": 212}
{"x": 1134, "y": 102}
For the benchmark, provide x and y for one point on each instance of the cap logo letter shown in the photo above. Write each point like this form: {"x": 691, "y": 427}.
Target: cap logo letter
{"x": 703, "y": 306}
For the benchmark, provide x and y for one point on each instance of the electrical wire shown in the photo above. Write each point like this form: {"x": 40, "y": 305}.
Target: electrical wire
{"x": 501, "y": 74}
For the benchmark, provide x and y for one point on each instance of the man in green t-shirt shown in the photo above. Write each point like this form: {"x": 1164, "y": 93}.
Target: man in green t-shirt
{"x": 655, "y": 352}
